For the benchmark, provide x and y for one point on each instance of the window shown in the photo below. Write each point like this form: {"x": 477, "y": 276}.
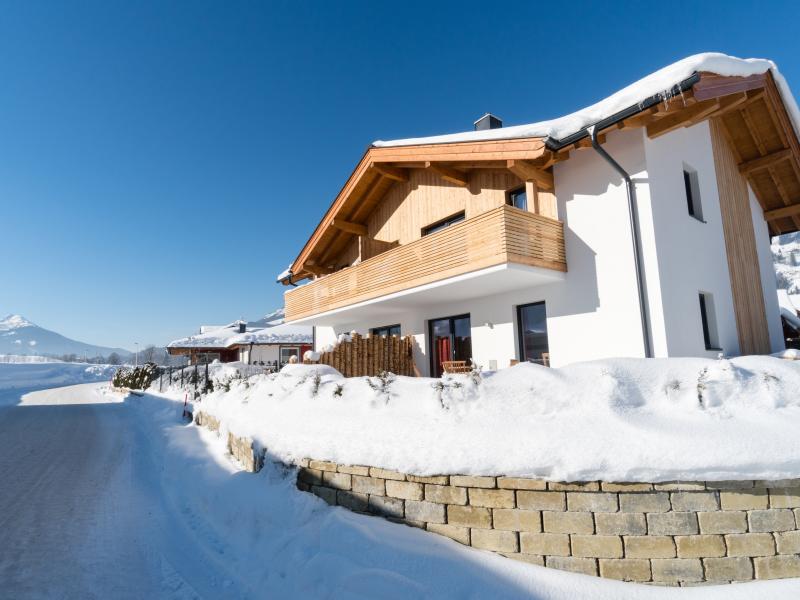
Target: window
{"x": 708, "y": 317}
{"x": 532, "y": 323}
{"x": 385, "y": 331}
{"x": 518, "y": 198}
{"x": 287, "y": 352}
{"x": 439, "y": 225}
{"x": 692, "y": 188}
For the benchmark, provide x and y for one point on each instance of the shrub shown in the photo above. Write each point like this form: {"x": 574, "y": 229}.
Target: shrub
{"x": 137, "y": 378}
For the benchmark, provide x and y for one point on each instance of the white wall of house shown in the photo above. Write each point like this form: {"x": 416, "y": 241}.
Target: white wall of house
{"x": 691, "y": 255}
{"x": 261, "y": 352}
{"x": 769, "y": 282}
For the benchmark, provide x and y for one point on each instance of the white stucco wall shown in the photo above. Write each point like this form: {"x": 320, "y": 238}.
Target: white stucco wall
{"x": 690, "y": 254}
{"x": 769, "y": 282}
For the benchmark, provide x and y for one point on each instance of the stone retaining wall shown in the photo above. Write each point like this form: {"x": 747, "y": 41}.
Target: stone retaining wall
{"x": 677, "y": 533}
{"x": 242, "y": 449}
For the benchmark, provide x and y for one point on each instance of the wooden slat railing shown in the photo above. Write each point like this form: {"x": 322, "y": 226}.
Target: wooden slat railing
{"x": 501, "y": 235}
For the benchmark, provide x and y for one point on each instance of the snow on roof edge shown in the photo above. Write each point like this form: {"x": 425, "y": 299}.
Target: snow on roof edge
{"x": 659, "y": 81}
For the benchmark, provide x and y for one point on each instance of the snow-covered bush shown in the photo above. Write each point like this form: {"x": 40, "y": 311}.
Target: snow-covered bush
{"x": 136, "y": 378}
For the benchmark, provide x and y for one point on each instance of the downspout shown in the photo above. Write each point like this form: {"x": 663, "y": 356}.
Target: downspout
{"x": 633, "y": 214}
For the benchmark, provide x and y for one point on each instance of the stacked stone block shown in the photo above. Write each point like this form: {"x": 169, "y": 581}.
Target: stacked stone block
{"x": 677, "y": 533}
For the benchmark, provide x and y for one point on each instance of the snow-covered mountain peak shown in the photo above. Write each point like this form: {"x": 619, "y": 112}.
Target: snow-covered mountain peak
{"x": 14, "y": 322}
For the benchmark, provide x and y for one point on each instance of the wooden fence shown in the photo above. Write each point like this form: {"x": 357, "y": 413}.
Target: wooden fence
{"x": 370, "y": 355}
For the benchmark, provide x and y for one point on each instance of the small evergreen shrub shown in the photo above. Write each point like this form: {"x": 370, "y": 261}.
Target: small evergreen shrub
{"x": 136, "y": 378}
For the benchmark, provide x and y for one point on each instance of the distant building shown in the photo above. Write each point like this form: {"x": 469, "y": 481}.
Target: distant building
{"x": 270, "y": 343}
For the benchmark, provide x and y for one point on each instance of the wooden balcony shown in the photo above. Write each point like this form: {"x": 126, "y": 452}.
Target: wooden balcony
{"x": 501, "y": 235}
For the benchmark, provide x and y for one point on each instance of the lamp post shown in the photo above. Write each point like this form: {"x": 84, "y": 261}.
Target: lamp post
{"x": 136, "y": 364}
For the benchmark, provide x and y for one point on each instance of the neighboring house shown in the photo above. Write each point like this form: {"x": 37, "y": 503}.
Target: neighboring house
{"x": 272, "y": 344}
{"x": 518, "y": 243}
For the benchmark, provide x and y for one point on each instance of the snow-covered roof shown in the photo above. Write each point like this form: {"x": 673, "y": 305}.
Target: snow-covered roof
{"x": 661, "y": 81}
{"x": 275, "y": 332}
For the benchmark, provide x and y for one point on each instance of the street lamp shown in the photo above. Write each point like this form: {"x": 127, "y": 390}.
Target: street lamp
{"x": 137, "y": 354}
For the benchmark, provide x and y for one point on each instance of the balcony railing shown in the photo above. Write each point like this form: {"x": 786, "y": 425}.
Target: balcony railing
{"x": 501, "y": 235}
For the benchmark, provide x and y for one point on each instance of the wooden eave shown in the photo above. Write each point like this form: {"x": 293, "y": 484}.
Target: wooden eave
{"x": 380, "y": 168}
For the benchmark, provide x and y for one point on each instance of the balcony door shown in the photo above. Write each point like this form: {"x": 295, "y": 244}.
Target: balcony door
{"x": 450, "y": 339}
{"x": 532, "y": 323}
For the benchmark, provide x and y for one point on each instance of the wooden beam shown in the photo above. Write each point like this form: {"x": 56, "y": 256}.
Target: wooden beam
{"x": 754, "y": 132}
{"x": 681, "y": 118}
{"x": 317, "y": 270}
{"x": 786, "y": 197}
{"x": 762, "y": 162}
{"x": 527, "y": 172}
{"x": 391, "y": 172}
{"x": 449, "y": 174}
{"x": 782, "y": 213}
{"x": 641, "y": 119}
{"x": 728, "y": 103}
{"x": 716, "y": 86}
{"x": 354, "y": 228}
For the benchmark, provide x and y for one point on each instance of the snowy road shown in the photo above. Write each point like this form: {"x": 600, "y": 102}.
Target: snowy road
{"x": 79, "y": 516}
{"x": 104, "y": 499}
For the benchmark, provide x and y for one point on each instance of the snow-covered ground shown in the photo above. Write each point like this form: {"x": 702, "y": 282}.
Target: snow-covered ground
{"x": 614, "y": 420}
{"x": 27, "y": 358}
{"x": 151, "y": 507}
{"x": 32, "y": 376}
{"x": 288, "y": 544}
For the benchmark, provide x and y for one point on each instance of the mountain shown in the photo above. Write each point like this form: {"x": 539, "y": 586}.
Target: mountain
{"x": 20, "y": 336}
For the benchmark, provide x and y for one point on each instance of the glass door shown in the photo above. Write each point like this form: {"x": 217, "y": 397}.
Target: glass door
{"x": 532, "y": 323}
{"x": 450, "y": 339}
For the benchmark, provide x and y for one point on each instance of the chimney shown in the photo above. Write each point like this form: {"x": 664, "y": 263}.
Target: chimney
{"x": 488, "y": 121}
{"x": 242, "y": 327}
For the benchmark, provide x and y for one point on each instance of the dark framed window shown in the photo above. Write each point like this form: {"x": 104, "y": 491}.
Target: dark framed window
{"x": 385, "y": 331}
{"x": 439, "y": 225}
{"x": 518, "y": 198}
{"x": 532, "y": 326}
{"x": 709, "y": 321}
{"x": 449, "y": 338}
{"x": 691, "y": 186}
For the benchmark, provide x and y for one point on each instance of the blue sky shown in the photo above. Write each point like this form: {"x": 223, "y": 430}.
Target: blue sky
{"x": 161, "y": 162}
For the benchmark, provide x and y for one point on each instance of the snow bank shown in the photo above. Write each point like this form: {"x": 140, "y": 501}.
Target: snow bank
{"x": 614, "y": 420}
{"x": 656, "y": 83}
{"x": 42, "y": 375}
{"x": 24, "y": 358}
{"x": 276, "y": 541}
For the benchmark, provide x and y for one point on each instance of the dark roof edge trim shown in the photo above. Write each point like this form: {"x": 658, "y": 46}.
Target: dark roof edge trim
{"x": 554, "y": 144}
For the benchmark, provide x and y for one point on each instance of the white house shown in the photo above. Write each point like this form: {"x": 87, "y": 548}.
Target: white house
{"x": 271, "y": 343}
{"x": 525, "y": 243}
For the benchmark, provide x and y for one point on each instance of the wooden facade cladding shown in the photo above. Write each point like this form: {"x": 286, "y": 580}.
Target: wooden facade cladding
{"x": 502, "y": 235}
{"x": 740, "y": 247}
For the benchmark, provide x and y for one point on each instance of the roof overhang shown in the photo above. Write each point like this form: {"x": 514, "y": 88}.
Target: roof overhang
{"x": 751, "y": 109}
{"x": 757, "y": 125}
